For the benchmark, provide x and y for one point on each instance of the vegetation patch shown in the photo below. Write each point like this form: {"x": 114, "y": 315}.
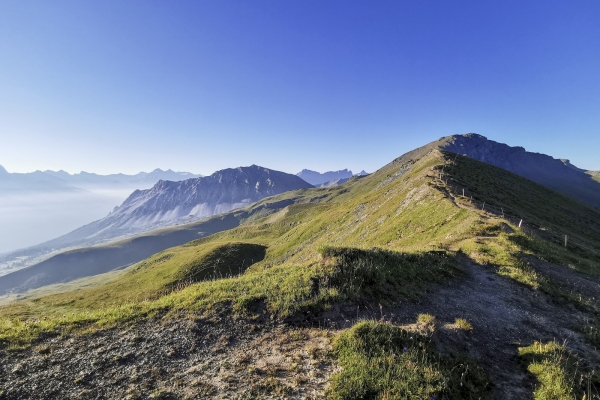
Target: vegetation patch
{"x": 463, "y": 324}
{"x": 382, "y": 275}
{"x": 343, "y": 275}
{"x": 426, "y": 319}
{"x": 381, "y": 361}
{"x": 559, "y": 373}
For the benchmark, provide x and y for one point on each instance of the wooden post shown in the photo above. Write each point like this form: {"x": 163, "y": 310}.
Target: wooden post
{"x": 566, "y": 239}
{"x": 502, "y": 212}
{"x": 463, "y": 192}
{"x": 520, "y": 222}
{"x": 482, "y": 207}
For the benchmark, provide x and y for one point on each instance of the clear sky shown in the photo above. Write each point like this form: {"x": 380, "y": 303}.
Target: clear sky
{"x": 124, "y": 86}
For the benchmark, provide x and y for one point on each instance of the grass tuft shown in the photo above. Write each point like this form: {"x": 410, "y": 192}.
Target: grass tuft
{"x": 381, "y": 361}
{"x": 463, "y": 324}
{"x": 426, "y": 319}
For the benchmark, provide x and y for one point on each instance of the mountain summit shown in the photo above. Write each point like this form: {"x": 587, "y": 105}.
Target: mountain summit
{"x": 557, "y": 174}
{"x": 196, "y": 198}
{"x": 168, "y": 203}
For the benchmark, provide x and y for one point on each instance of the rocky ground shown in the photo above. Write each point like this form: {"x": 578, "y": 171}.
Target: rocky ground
{"x": 191, "y": 356}
{"x": 187, "y": 357}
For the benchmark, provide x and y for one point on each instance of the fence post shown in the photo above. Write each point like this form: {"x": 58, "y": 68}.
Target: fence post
{"x": 502, "y": 212}
{"x": 483, "y": 206}
{"x": 463, "y": 192}
{"x": 566, "y": 239}
{"x": 520, "y": 222}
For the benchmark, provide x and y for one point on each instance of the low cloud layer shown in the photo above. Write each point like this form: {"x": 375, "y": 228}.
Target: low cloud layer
{"x": 29, "y": 219}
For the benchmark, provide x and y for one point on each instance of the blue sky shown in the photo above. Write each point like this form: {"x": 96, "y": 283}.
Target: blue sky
{"x": 114, "y": 86}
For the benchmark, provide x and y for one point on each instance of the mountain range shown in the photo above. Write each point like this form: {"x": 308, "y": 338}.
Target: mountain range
{"x": 170, "y": 202}
{"x": 436, "y": 276}
{"x": 175, "y": 203}
{"x": 167, "y": 202}
{"x": 329, "y": 178}
{"x": 61, "y": 181}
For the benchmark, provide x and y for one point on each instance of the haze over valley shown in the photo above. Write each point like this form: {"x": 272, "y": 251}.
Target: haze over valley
{"x": 39, "y": 206}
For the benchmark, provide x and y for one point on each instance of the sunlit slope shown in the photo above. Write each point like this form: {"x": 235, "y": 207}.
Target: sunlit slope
{"x": 373, "y": 211}
{"x": 546, "y": 215}
{"x": 389, "y": 234}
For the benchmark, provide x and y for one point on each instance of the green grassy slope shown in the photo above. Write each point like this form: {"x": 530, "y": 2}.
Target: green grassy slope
{"x": 547, "y": 214}
{"x": 89, "y": 261}
{"x": 398, "y": 230}
{"x": 375, "y": 240}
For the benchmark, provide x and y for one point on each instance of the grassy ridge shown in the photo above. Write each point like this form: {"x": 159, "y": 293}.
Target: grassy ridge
{"x": 395, "y": 213}
{"x": 556, "y": 215}
{"x": 376, "y": 238}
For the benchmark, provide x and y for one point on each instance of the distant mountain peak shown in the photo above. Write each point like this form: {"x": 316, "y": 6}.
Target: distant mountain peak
{"x": 317, "y": 178}
{"x": 169, "y": 202}
{"x": 3, "y": 170}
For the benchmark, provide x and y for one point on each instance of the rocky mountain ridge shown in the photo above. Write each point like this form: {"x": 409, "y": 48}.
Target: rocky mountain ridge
{"x": 197, "y": 198}
{"x": 57, "y": 181}
{"x": 169, "y": 203}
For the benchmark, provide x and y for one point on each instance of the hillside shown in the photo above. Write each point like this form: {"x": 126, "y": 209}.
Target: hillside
{"x": 557, "y": 174}
{"x": 391, "y": 285}
{"x": 88, "y": 261}
{"x": 595, "y": 175}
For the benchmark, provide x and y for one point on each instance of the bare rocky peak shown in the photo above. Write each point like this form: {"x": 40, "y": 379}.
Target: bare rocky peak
{"x": 168, "y": 203}
{"x": 229, "y": 188}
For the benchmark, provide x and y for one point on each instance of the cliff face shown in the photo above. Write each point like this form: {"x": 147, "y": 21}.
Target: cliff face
{"x": 202, "y": 197}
